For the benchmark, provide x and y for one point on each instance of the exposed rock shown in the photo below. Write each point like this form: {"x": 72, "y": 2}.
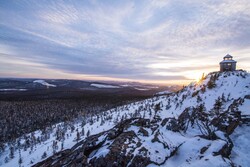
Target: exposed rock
{"x": 118, "y": 142}
{"x": 204, "y": 149}
{"x": 173, "y": 125}
{"x": 143, "y": 131}
{"x": 225, "y": 151}
{"x": 164, "y": 121}
{"x": 185, "y": 119}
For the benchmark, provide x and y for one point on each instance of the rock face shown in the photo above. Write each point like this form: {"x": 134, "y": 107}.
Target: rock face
{"x": 190, "y": 128}
{"x": 120, "y": 141}
{"x": 123, "y": 145}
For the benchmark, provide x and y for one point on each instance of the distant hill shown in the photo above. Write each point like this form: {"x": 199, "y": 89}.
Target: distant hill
{"x": 21, "y": 89}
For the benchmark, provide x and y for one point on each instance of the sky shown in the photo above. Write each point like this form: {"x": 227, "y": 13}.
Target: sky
{"x": 155, "y": 41}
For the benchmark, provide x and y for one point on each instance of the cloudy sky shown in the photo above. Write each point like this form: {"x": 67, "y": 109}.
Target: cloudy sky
{"x": 162, "y": 41}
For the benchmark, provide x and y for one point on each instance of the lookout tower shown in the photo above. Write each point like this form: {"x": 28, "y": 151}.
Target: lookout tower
{"x": 228, "y": 64}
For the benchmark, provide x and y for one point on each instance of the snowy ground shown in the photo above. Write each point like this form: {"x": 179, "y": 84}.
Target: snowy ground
{"x": 104, "y": 86}
{"x": 42, "y": 82}
{"x": 241, "y": 139}
{"x": 231, "y": 86}
{"x": 13, "y": 90}
{"x": 163, "y": 92}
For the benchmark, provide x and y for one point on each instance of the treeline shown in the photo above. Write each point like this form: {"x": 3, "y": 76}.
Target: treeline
{"x": 20, "y": 117}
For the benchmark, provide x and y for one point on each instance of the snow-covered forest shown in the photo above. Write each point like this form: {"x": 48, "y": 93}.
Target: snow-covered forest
{"x": 204, "y": 124}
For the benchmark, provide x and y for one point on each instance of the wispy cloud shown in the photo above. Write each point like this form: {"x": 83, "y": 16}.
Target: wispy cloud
{"x": 144, "y": 40}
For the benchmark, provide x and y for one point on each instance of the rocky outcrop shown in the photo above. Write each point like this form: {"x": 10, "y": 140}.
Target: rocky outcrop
{"x": 120, "y": 141}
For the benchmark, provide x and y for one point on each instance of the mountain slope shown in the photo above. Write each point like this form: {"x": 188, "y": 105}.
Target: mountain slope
{"x": 197, "y": 126}
{"x": 194, "y": 127}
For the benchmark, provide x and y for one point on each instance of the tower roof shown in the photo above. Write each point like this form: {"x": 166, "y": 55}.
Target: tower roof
{"x": 228, "y": 59}
{"x": 228, "y": 56}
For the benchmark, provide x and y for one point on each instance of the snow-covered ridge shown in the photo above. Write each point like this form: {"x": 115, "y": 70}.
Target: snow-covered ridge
{"x": 161, "y": 137}
{"x": 44, "y": 83}
{"x": 104, "y": 86}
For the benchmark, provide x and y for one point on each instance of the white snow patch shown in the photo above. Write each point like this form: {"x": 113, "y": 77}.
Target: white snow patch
{"x": 105, "y": 86}
{"x": 241, "y": 139}
{"x": 141, "y": 89}
{"x": 125, "y": 85}
{"x": 44, "y": 83}
{"x": 163, "y": 92}
{"x": 245, "y": 107}
{"x": 3, "y": 90}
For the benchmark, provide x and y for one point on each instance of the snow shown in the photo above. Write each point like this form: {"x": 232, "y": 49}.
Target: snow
{"x": 104, "y": 86}
{"x": 151, "y": 87}
{"x": 13, "y": 90}
{"x": 241, "y": 139}
{"x": 245, "y": 107}
{"x": 44, "y": 83}
{"x": 39, "y": 149}
{"x": 189, "y": 144}
{"x": 227, "y": 85}
{"x": 163, "y": 92}
{"x": 142, "y": 89}
{"x": 189, "y": 154}
{"x": 125, "y": 85}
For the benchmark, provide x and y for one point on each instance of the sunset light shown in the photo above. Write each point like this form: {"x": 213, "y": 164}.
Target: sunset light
{"x": 124, "y": 83}
{"x": 146, "y": 41}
